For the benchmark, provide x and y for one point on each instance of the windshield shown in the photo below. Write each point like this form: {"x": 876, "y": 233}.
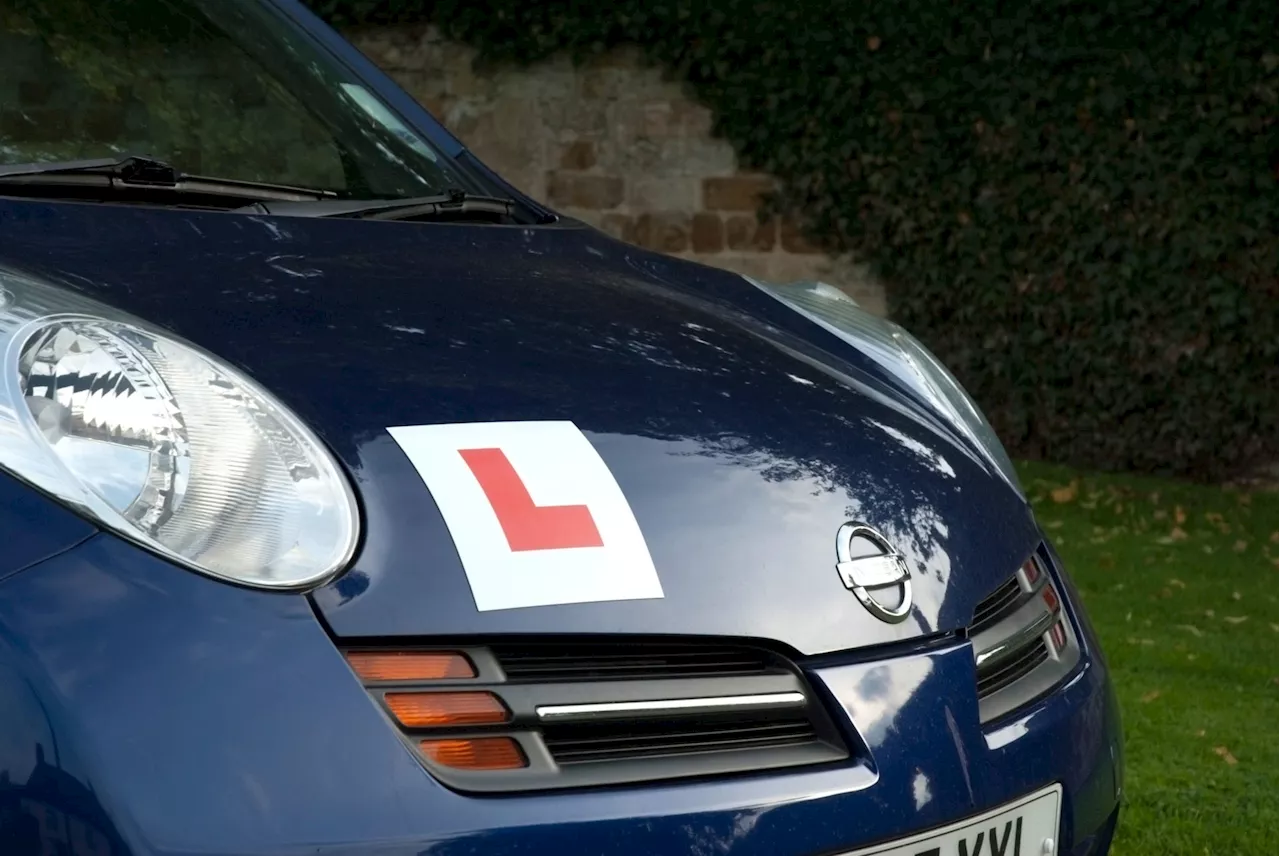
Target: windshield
{"x": 224, "y": 88}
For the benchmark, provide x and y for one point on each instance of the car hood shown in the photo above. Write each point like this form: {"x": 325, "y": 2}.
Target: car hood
{"x": 741, "y": 435}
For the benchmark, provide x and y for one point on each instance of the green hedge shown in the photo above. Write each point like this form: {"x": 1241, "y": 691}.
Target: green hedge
{"x": 1074, "y": 202}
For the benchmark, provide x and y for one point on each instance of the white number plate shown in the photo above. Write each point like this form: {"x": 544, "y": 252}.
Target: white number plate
{"x": 1026, "y": 827}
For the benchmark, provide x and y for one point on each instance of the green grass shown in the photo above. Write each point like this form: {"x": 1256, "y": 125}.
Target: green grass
{"x": 1180, "y": 582}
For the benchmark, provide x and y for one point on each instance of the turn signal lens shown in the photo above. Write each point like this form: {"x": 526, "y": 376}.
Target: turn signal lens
{"x": 409, "y": 665}
{"x": 433, "y": 710}
{"x": 1031, "y": 571}
{"x": 480, "y": 753}
{"x": 1051, "y": 599}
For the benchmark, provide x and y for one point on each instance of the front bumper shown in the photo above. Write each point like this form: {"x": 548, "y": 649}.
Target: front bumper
{"x": 147, "y": 710}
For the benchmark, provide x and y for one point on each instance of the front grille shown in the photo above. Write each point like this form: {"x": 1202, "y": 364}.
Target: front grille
{"x": 589, "y": 713}
{"x": 1023, "y": 643}
{"x": 993, "y": 680}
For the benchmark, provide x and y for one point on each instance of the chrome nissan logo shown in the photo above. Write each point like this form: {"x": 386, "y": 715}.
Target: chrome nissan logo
{"x": 871, "y": 568}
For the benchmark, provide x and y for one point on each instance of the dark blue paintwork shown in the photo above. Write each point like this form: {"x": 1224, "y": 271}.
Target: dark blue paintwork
{"x": 34, "y": 527}
{"x": 175, "y": 714}
{"x": 145, "y": 709}
{"x": 739, "y": 457}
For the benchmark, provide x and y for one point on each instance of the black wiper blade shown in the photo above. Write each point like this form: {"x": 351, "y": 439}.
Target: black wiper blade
{"x": 142, "y": 174}
{"x": 95, "y": 166}
{"x": 452, "y": 204}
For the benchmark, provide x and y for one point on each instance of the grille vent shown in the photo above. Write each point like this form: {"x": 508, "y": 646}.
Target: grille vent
{"x": 591, "y": 713}
{"x": 1008, "y": 673}
{"x": 997, "y": 605}
{"x": 1022, "y": 641}
{"x": 541, "y": 661}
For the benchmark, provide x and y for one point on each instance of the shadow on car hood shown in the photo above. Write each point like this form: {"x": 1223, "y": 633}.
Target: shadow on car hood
{"x": 741, "y": 435}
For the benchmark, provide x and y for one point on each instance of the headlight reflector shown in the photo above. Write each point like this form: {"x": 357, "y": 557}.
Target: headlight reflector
{"x": 166, "y": 445}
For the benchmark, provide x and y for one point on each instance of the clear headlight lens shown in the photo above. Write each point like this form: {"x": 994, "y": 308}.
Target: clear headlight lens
{"x": 164, "y": 444}
{"x": 899, "y": 353}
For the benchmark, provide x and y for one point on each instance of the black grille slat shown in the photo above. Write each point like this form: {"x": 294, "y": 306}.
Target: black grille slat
{"x": 1002, "y": 676}
{"x": 532, "y": 663}
{"x": 576, "y": 750}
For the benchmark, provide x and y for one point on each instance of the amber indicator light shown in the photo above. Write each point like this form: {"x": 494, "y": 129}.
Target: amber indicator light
{"x": 478, "y": 753}
{"x": 410, "y": 665}
{"x": 435, "y": 710}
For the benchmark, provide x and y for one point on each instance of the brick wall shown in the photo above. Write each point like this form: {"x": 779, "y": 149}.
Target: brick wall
{"x": 615, "y": 145}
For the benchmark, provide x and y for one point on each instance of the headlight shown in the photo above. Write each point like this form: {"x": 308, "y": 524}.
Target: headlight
{"x": 164, "y": 444}
{"x": 899, "y": 353}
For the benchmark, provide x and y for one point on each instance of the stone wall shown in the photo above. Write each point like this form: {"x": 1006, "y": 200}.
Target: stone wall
{"x": 615, "y": 145}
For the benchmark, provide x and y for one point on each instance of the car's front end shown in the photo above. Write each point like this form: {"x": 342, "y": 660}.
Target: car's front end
{"x": 330, "y": 535}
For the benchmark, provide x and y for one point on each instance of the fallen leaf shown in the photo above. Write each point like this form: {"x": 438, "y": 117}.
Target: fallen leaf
{"x": 1179, "y": 516}
{"x": 1241, "y": 546}
{"x": 1151, "y": 696}
{"x": 1235, "y": 595}
{"x": 1223, "y": 753}
{"x": 1235, "y": 619}
{"x": 1190, "y": 628}
{"x": 873, "y": 43}
{"x": 1191, "y": 656}
{"x": 1213, "y": 517}
{"x": 1208, "y": 613}
{"x": 1275, "y": 536}
{"x": 1053, "y": 524}
{"x": 1178, "y": 534}
{"x": 1200, "y": 733}
{"x": 1207, "y": 548}
{"x": 1177, "y": 583}
{"x": 1065, "y": 493}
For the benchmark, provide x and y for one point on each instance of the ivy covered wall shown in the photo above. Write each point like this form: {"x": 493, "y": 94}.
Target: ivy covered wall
{"x": 1073, "y": 202}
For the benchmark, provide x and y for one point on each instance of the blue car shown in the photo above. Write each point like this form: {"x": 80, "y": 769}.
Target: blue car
{"x": 352, "y": 502}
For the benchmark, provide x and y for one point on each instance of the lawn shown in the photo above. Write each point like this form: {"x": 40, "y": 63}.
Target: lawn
{"x": 1180, "y": 581}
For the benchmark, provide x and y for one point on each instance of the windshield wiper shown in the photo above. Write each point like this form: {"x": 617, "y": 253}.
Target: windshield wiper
{"x": 453, "y": 204}
{"x": 138, "y": 176}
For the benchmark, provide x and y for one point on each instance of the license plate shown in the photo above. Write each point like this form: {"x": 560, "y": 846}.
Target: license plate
{"x": 1025, "y": 827}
